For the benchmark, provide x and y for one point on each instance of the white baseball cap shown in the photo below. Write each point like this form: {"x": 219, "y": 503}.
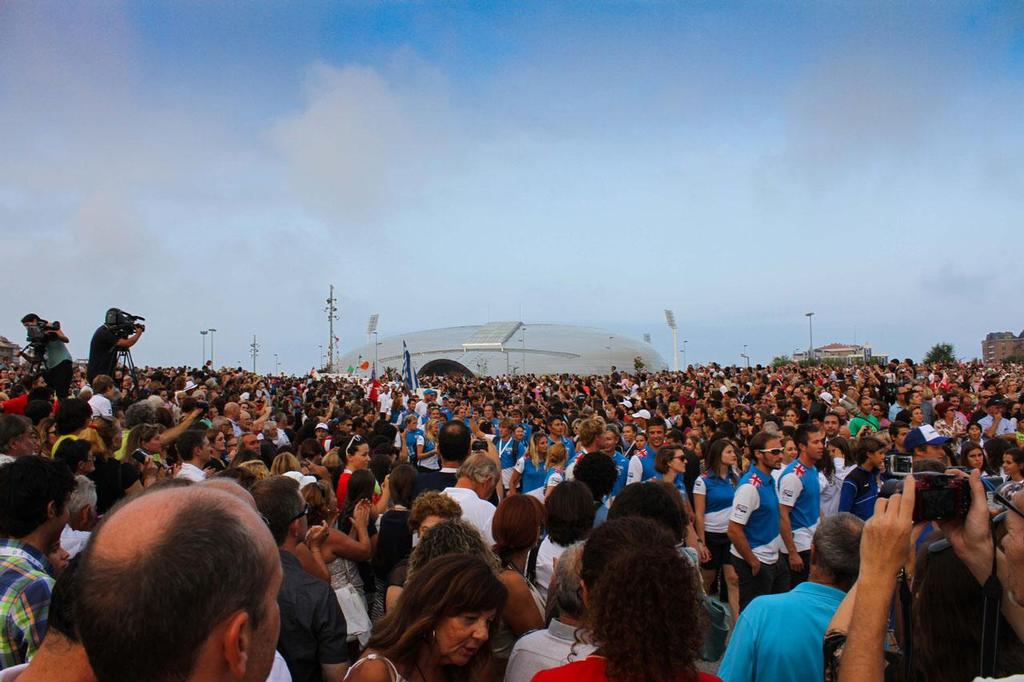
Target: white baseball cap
{"x": 642, "y": 414}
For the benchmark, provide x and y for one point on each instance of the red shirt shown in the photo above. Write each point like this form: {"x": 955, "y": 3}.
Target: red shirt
{"x": 15, "y": 405}
{"x": 342, "y": 491}
{"x": 591, "y": 669}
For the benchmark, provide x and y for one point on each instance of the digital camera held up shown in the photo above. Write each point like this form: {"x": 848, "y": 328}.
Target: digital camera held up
{"x": 123, "y": 324}
{"x": 938, "y": 497}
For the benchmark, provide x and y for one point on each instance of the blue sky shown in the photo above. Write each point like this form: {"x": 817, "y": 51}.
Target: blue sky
{"x": 594, "y": 163}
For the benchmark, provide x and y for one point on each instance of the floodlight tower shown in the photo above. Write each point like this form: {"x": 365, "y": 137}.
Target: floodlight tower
{"x": 254, "y": 351}
{"x": 332, "y": 315}
{"x": 810, "y": 335}
{"x": 371, "y": 330}
{"x": 670, "y": 319}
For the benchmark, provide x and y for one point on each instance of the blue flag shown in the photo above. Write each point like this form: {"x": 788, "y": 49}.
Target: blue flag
{"x": 408, "y": 371}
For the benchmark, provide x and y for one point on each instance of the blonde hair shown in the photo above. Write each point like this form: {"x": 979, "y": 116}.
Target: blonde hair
{"x": 257, "y": 468}
{"x": 323, "y": 505}
{"x": 531, "y": 449}
{"x": 557, "y": 455}
{"x": 332, "y": 460}
{"x": 430, "y": 431}
{"x": 590, "y": 430}
{"x": 284, "y": 463}
{"x": 97, "y": 445}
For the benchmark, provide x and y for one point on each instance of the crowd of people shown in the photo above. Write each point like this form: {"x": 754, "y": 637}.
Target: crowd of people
{"x": 717, "y": 523}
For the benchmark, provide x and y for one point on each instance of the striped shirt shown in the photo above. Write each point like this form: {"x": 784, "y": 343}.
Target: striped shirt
{"x": 24, "y": 601}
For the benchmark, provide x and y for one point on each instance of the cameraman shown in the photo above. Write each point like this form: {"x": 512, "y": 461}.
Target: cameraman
{"x": 103, "y": 349}
{"x": 57, "y": 368}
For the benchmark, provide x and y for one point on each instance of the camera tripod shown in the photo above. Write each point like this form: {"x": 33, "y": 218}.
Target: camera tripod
{"x": 124, "y": 359}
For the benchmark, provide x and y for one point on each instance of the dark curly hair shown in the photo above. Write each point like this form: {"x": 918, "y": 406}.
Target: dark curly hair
{"x": 598, "y": 471}
{"x": 664, "y": 592}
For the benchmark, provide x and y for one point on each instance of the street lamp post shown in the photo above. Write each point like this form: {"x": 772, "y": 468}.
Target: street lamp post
{"x": 684, "y": 353}
{"x": 745, "y": 356}
{"x": 204, "y": 332}
{"x": 321, "y": 347}
{"x": 277, "y": 365}
{"x": 810, "y": 335}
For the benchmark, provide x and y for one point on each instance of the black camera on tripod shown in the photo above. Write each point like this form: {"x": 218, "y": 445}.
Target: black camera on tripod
{"x": 123, "y": 324}
{"x": 42, "y": 333}
{"x": 38, "y": 333}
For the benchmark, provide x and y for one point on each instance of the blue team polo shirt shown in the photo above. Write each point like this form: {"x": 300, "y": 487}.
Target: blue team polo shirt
{"x": 622, "y": 466}
{"x": 410, "y": 444}
{"x": 508, "y": 451}
{"x": 762, "y": 527}
{"x": 778, "y": 636}
{"x": 570, "y": 448}
{"x": 801, "y": 482}
{"x": 533, "y": 476}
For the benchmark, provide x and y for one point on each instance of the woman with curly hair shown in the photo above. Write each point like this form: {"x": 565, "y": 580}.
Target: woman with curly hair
{"x": 441, "y": 628}
{"x": 453, "y": 536}
{"x": 662, "y": 591}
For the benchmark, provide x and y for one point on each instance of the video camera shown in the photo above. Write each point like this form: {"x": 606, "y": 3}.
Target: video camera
{"x": 43, "y": 332}
{"x": 123, "y": 324}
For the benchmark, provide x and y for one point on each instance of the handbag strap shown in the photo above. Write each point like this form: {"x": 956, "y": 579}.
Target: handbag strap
{"x": 908, "y": 636}
{"x": 531, "y": 565}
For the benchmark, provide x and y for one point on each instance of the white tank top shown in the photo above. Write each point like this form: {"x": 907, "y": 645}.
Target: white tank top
{"x": 392, "y": 670}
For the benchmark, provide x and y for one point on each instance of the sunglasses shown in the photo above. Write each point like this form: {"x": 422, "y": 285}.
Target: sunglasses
{"x": 304, "y": 512}
{"x": 773, "y": 451}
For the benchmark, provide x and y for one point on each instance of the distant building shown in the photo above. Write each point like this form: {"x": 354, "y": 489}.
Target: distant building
{"x": 998, "y": 346}
{"x": 850, "y": 353}
{"x": 8, "y": 351}
{"x": 505, "y": 348}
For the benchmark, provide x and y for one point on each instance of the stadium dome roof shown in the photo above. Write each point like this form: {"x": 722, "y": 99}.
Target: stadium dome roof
{"x": 498, "y": 348}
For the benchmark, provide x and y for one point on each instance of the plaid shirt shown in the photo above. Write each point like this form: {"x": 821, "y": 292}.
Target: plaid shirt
{"x": 24, "y": 601}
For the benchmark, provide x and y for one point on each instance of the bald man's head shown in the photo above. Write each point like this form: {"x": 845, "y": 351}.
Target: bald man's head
{"x": 163, "y": 571}
{"x": 231, "y": 410}
{"x": 231, "y": 487}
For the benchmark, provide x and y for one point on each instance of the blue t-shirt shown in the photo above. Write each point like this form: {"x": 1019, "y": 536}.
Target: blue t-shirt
{"x": 778, "y": 637}
{"x": 411, "y": 440}
{"x": 508, "y": 451}
{"x": 718, "y": 497}
{"x": 622, "y": 466}
{"x": 570, "y": 448}
{"x": 859, "y": 493}
{"x": 533, "y": 476}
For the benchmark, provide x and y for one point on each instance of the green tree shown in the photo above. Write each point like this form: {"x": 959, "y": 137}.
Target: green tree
{"x": 940, "y": 353}
{"x": 781, "y": 360}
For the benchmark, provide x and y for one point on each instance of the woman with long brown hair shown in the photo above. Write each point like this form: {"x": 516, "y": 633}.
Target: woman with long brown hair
{"x": 516, "y": 529}
{"x": 441, "y": 628}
